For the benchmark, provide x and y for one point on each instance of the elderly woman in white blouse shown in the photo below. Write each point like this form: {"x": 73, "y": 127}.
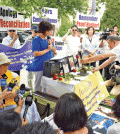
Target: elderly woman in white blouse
{"x": 90, "y": 44}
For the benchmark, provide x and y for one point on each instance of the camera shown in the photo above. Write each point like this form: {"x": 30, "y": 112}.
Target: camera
{"x": 115, "y": 73}
{"x": 105, "y": 34}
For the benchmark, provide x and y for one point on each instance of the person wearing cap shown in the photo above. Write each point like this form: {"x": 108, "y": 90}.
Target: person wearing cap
{"x": 12, "y": 39}
{"x": 9, "y": 76}
{"x": 114, "y": 53}
{"x": 73, "y": 42}
{"x": 9, "y": 96}
{"x": 34, "y": 30}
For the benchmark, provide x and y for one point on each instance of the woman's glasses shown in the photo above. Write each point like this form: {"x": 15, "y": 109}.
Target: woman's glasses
{"x": 74, "y": 29}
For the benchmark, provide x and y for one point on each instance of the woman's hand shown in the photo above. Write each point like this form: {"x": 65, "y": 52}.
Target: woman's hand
{"x": 50, "y": 47}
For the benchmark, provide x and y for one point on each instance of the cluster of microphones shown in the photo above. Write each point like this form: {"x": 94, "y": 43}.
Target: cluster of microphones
{"x": 20, "y": 93}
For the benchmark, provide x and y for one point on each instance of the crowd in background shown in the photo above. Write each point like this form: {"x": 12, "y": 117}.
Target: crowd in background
{"x": 70, "y": 115}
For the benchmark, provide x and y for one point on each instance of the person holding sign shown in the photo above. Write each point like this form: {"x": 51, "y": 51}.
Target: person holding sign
{"x": 12, "y": 41}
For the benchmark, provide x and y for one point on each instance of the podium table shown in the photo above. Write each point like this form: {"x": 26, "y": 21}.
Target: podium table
{"x": 91, "y": 89}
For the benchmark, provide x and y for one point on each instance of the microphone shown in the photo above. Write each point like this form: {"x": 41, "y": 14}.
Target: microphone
{"x": 28, "y": 102}
{"x": 3, "y": 84}
{"x": 20, "y": 93}
{"x": 48, "y": 38}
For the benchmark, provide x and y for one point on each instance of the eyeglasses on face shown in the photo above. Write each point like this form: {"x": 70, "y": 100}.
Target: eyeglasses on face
{"x": 11, "y": 30}
{"x": 74, "y": 29}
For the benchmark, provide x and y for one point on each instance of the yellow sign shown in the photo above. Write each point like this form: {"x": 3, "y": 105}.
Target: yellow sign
{"x": 92, "y": 91}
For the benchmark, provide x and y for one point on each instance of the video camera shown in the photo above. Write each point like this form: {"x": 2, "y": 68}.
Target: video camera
{"x": 115, "y": 73}
{"x": 105, "y": 34}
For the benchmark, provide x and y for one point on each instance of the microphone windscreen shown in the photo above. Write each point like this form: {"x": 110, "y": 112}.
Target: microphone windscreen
{"x": 48, "y": 37}
{"x": 22, "y": 87}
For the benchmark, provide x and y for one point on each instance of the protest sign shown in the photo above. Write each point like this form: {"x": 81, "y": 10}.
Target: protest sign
{"x": 92, "y": 91}
{"x": 49, "y": 14}
{"x": 10, "y": 18}
{"x": 20, "y": 58}
{"x": 84, "y": 21}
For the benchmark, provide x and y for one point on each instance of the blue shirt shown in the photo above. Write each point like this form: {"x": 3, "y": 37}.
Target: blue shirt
{"x": 39, "y": 44}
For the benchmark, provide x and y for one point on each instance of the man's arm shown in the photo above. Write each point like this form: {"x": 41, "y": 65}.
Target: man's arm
{"x": 4, "y": 42}
{"x": 65, "y": 36}
{"x": 97, "y": 57}
{"x": 107, "y": 62}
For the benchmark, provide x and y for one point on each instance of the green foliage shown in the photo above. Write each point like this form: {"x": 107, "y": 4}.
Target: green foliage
{"x": 65, "y": 25}
{"x": 31, "y": 6}
{"x": 111, "y": 15}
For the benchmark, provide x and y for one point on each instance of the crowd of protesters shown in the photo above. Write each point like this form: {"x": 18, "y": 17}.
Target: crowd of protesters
{"x": 69, "y": 114}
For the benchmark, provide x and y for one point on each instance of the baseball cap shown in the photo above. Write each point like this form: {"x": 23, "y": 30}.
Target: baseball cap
{"x": 4, "y": 59}
{"x": 113, "y": 37}
{"x": 34, "y": 28}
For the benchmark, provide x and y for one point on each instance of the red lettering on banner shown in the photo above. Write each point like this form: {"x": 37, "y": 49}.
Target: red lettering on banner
{"x": 28, "y": 25}
{"x": 10, "y": 23}
{"x": 15, "y": 24}
{"x": 81, "y": 24}
{"x": 6, "y": 23}
{"x": 20, "y": 24}
{"x": 1, "y": 24}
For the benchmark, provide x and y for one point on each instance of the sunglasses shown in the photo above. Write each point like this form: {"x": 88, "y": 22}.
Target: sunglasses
{"x": 74, "y": 29}
{"x": 11, "y": 30}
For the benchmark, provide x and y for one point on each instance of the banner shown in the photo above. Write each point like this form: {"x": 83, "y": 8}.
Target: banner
{"x": 92, "y": 91}
{"x": 10, "y": 18}
{"x": 84, "y": 21}
{"x": 51, "y": 14}
{"x": 20, "y": 58}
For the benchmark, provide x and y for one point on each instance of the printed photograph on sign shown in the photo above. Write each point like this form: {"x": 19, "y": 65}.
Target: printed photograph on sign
{"x": 99, "y": 121}
{"x": 71, "y": 63}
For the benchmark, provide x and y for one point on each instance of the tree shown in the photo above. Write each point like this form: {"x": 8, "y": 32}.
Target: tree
{"x": 65, "y": 25}
{"x": 64, "y": 7}
{"x": 111, "y": 15}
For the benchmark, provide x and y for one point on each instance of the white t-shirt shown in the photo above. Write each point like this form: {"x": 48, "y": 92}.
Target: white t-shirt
{"x": 73, "y": 44}
{"x": 116, "y": 51}
{"x": 7, "y": 40}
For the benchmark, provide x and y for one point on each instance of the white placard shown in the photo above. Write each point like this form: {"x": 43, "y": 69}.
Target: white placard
{"x": 12, "y": 19}
{"x": 84, "y": 21}
{"x": 51, "y": 14}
